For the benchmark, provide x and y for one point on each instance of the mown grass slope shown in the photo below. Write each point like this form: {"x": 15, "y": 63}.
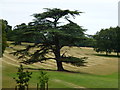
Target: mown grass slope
{"x": 100, "y": 71}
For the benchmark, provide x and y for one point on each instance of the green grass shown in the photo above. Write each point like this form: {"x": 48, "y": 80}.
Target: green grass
{"x": 102, "y": 72}
{"x": 79, "y": 79}
{"x": 85, "y": 80}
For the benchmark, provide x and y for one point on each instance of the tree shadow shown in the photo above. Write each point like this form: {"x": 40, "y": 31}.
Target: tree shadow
{"x": 104, "y": 55}
{"x": 66, "y": 71}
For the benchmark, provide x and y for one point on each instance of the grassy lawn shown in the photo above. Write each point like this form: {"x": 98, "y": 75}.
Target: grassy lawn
{"x": 85, "y": 80}
{"x": 101, "y": 71}
{"x": 65, "y": 79}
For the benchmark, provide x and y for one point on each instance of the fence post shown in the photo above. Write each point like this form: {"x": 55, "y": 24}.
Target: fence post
{"x": 27, "y": 87}
{"x": 37, "y": 86}
{"x": 15, "y": 87}
{"x": 47, "y": 86}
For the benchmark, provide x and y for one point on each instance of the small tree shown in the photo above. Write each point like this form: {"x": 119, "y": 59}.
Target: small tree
{"x": 22, "y": 78}
{"x": 43, "y": 80}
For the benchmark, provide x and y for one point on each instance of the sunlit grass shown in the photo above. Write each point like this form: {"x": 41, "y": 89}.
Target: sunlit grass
{"x": 57, "y": 79}
{"x": 100, "y": 72}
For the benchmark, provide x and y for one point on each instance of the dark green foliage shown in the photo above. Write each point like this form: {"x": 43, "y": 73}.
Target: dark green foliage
{"x": 50, "y": 37}
{"x": 88, "y": 42}
{"x": 4, "y": 39}
{"x": 23, "y": 78}
{"x": 107, "y": 40}
{"x": 7, "y": 29}
{"x": 55, "y": 13}
{"x": 74, "y": 60}
{"x": 103, "y": 42}
{"x": 116, "y": 40}
{"x": 18, "y": 33}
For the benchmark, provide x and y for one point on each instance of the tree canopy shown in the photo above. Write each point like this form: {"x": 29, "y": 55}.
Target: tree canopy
{"x": 50, "y": 37}
{"x": 4, "y": 27}
{"x": 107, "y": 40}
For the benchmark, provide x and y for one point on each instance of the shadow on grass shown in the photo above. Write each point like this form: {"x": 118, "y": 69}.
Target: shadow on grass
{"x": 67, "y": 71}
{"x": 104, "y": 55}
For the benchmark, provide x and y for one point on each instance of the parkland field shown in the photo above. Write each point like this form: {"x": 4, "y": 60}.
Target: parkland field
{"x": 100, "y": 71}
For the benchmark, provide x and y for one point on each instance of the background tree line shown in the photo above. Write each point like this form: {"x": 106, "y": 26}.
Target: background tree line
{"x": 108, "y": 40}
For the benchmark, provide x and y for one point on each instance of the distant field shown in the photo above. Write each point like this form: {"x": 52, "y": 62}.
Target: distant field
{"x": 99, "y": 72}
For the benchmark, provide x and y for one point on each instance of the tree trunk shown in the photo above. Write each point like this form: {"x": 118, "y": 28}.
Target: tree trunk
{"x": 106, "y": 53}
{"x": 18, "y": 43}
{"x": 59, "y": 63}
{"x": 57, "y": 49}
{"x": 118, "y": 54}
{"x": 21, "y": 87}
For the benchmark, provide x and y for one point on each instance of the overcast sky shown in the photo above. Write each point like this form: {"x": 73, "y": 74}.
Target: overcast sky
{"x": 97, "y": 14}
